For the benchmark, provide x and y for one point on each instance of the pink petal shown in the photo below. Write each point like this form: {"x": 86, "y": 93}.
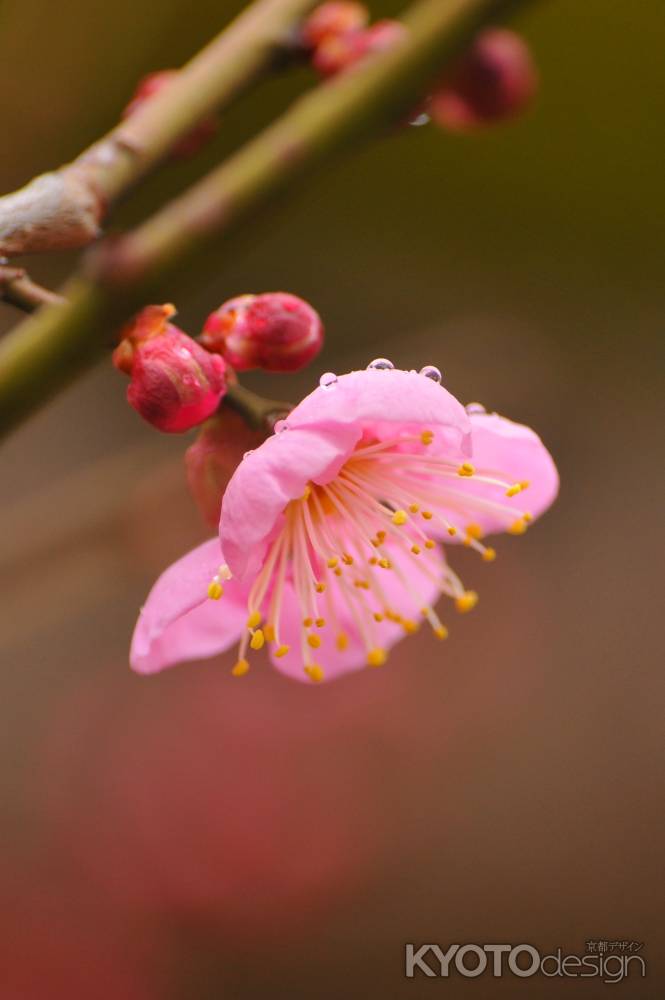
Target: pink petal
{"x": 321, "y": 433}
{"x": 179, "y": 621}
{"x": 515, "y": 453}
{"x": 406, "y": 600}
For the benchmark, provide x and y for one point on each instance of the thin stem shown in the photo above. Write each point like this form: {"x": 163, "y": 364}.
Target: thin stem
{"x": 258, "y": 413}
{"x": 19, "y": 290}
{"x": 52, "y": 347}
{"x": 63, "y": 209}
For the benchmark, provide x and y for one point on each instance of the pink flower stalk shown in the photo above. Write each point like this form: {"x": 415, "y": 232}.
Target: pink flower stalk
{"x": 275, "y": 331}
{"x": 195, "y": 140}
{"x": 338, "y": 53}
{"x": 337, "y": 17}
{"x": 329, "y": 538}
{"x": 175, "y": 383}
{"x": 495, "y": 80}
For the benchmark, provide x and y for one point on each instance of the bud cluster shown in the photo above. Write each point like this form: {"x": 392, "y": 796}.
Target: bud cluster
{"x": 494, "y": 80}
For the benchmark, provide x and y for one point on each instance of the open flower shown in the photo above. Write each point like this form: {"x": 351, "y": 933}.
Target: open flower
{"x": 329, "y": 548}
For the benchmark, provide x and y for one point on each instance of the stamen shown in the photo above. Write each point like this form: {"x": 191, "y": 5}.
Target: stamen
{"x": 240, "y": 669}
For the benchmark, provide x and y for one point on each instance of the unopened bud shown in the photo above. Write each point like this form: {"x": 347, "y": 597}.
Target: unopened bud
{"x": 213, "y": 458}
{"x": 337, "y": 17}
{"x": 275, "y": 331}
{"x": 337, "y": 53}
{"x": 175, "y": 383}
{"x": 495, "y": 80}
{"x": 193, "y": 141}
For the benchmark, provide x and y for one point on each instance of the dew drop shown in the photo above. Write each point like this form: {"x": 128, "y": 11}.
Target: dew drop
{"x": 429, "y": 371}
{"x": 328, "y": 380}
{"x": 381, "y": 365}
{"x": 281, "y": 426}
{"x": 475, "y": 408}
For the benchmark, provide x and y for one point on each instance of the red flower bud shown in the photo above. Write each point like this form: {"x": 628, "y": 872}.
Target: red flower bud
{"x": 175, "y": 383}
{"x": 493, "y": 81}
{"x": 213, "y": 458}
{"x": 337, "y": 17}
{"x": 275, "y": 331}
{"x": 338, "y": 53}
{"x": 195, "y": 140}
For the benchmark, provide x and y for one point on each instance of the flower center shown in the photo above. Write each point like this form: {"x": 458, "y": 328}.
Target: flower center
{"x": 357, "y": 547}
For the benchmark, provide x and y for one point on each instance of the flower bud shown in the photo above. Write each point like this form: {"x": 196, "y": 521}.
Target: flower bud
{"x": 337, "y": 53}
{"x": 175, "y": 383}
{"x": 337, "y": 17}
{"x": 275, "y": 331}
{"x": 193, "y": 141}
{"x": 213, "y": 458}
{"x": 495, "y": 80}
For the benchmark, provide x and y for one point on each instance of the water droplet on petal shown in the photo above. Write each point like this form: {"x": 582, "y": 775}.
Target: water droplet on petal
{"x": 429, "y": 371}
{"x": 328, "y": 380}
{"x": 475, "y": 408}
{"x": 381, "y": 364}
{"x": 281, "y": 426}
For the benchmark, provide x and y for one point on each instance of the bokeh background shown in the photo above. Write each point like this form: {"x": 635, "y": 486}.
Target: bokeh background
{"x": 191, "y": 837}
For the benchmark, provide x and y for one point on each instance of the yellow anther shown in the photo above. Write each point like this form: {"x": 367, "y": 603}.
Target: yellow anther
{"x": 342, "y": 641}
{"x": 337, "y": 572}
{"x": 429, "y": 544}
{"x": 409, "y": 625}
{"x": 308, "y": 622}
{"x": 427, "y": 514}
{"x": 466, "y": 469}
{"x": 517, "y": 527}
{"x": 269, "y": 633}
{"x": 474, "y": 531}
{"x": 215, "y": 590}
{"x": 347, "y": 559}
{"x": 414, "y": 508}
{"x": 258, "y": 639}
{"x": 319, "y": 587}
{"x": 373, "y": 561}
{"x": 254, "y": 619}
{"x": 240, "y": 669}
{"x": 489, "y": 555}
{"x": 427, "y": 437}
{"x": 314, "y": 640}
{"x": 416, "y": 550}
{"x": 452, "y": 531}
{"x": 513, "y": 490}
{"x": 392, "y": 617}
{"x": 400, "y": 517}
{"x": 381, "y": 535}
{"x": 527, "y": 518}
{"x": 376, "y": 657}
{"x": 307, "y": 494}
{"x": 525, "y": 483}
{"x": 315, "y": 673}
{"x": 424, "y": 611}
{"x": 332, "y": 562}
{"x": 385, "y": 563}
{"x": 320, "y": 622}
{"x": 467, "y": 601}
{"x": 282, "y": 650}
{"x": 378, "y": 617}
{"x": 441, "y": 632}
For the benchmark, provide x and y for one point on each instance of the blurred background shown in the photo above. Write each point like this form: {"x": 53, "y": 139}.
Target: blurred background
{"x": 191, "y": 837}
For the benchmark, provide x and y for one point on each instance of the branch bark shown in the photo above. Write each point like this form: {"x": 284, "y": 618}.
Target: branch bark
{"x": 52, "y": 347}
{"x": 63, "y": 209}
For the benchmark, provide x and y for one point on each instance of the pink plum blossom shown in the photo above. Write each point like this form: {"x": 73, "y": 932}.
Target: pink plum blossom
{"x": 329, "y": 548}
